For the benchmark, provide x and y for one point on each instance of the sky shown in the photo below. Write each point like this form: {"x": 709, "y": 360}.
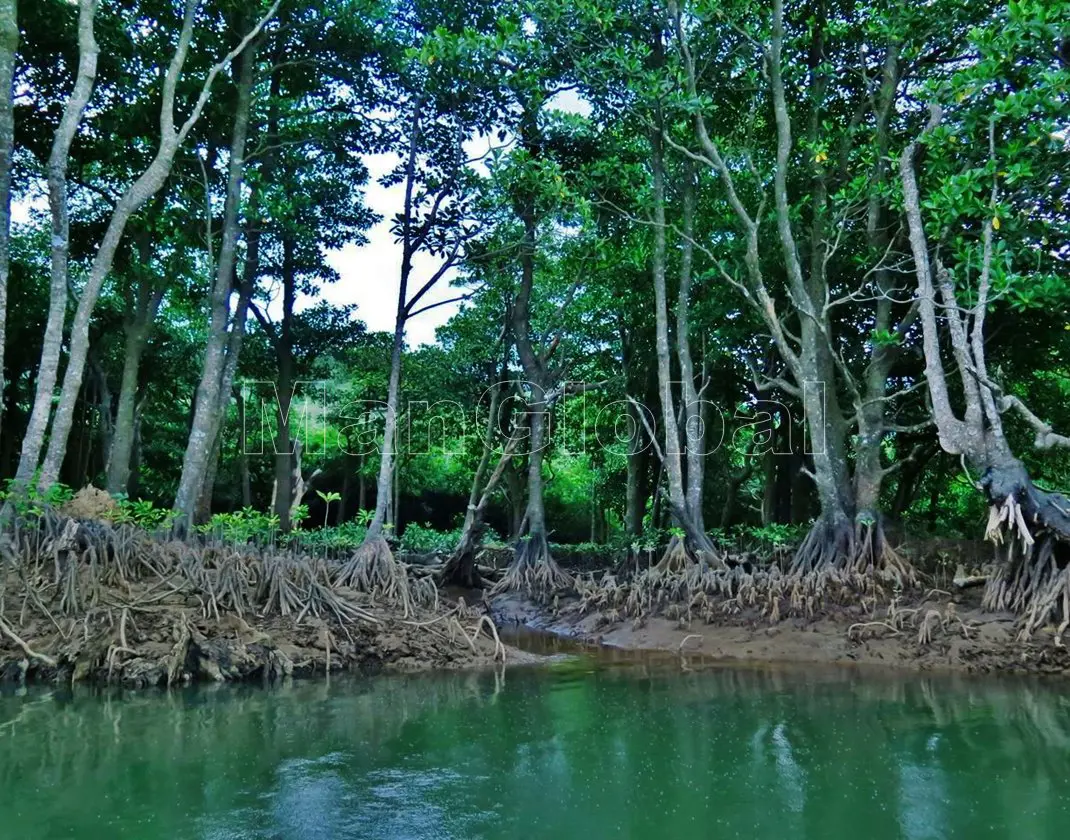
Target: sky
{"x": 370, "y": 274}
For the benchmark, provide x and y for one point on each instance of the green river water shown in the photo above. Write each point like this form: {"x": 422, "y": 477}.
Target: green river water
{"x": 576, "y": 749}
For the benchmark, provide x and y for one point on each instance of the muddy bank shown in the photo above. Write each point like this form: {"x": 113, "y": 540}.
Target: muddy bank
{"x": 937, "y": 633}
{"x": 174, "y": 647}
{"x": 82, "y": 600}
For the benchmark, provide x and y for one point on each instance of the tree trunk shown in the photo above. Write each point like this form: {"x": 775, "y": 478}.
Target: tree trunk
{"x": 1031, "y": 524}
{"x": 635, "y": 493}
{"x": 386, "y": 459}
{"x": 243, "y": 455}
{"x": 137, "y": 333}
{"x": 145, "y": 187}
{"x": 694, "y": 438}
{"x": 284, "y": 448}
{"x": 9, "y": 44}
{"x": 460, "y": 568}
{"x": 696, "y": 539}
{"x": 230, "y": 366}
{"x": 206, "y": 401}
{"x": 517, "y": 502}
{"x": 34, "y": 437}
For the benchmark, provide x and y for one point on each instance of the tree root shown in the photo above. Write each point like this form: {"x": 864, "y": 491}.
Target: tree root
{"x": 374, "y": 570}
{"x": 534, "y": 572}
{"x": 862, "y": 548}
{"x": 1030, "y": 527}
{"x": 5, "y": 628}
{"x": 707, "y": 593}
{"x": 77, "y": 564}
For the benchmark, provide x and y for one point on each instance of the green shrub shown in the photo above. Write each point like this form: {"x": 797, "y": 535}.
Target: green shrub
{"x": 424, "y": 538}
{"x": 241, "y": 526}
{"x": 348, "y": 535}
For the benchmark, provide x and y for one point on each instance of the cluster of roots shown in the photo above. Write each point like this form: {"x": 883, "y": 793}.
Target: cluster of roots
{"x": 81, "y": 575}
{"x": 709, "y": 594}
{"x": 1034, "y": 578}
{"x": 534, "y": 572}
{"x": 924, "y": 621}
{"x": 853, "y": 549}
{"x": 832, "y": 566}
{"x": 374, "y": 570}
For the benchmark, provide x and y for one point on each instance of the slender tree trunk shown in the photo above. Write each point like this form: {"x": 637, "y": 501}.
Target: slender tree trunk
{"x": 48, "y": 370}
{"x": 284, "y": 454}
{"x": 635, "y": 495}
{"x": 144, "y": 188}
{"x": 535, "y": 512}
{"x": 243, "y": 455}
{"x": 9, "y": 44}
{"x": 461, "y": 566}
{"x": 137, "y": 334}
{"x": 362, "y": 486}
{"x": 387, "y": 455}
{"x": 677, "y": 497}
{"x": 206, "y": 401}
{"x": 693, "y": 429}
{"x": 386, "y": 459}
{"x": 230, "y": 366}
{"x": 869, "y": 473}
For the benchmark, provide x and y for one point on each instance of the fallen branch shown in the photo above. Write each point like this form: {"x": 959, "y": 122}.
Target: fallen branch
{"x": 5, "y": 628}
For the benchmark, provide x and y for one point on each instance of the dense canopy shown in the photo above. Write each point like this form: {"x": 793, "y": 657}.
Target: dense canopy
{"x": 789, "y": 277}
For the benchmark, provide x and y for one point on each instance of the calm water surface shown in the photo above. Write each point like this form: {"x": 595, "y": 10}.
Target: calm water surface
{"x": 577, "y": 749}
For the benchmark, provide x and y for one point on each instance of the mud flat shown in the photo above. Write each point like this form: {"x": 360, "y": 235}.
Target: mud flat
{"x": 924, "y": 634}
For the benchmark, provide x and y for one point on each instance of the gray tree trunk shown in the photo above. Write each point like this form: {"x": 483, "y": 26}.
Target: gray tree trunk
{"x": 206, "y": 402}
{"x": 9, "y": 44}
{"x": 284, "y": 449}
{"x": 694, "y": 438}
{"x": 671, "y": 455}
{"x": 243, "y": 456}
{"x": 48, "y": 371}
{"x": 144, "y": 188}
{"x": 230, "y": 366}
{"x": 386, "y": 457}
{"x": 137, "y": 334}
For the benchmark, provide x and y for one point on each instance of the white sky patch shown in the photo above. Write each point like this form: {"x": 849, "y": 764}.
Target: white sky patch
{"x": 369, "y": 276}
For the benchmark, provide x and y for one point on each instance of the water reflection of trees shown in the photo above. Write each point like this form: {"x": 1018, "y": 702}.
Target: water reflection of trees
{"x": 650, "y": 752}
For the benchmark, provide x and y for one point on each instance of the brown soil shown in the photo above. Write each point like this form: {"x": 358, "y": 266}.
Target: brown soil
{"x": 85, "y": 600}
{"x": 933, "y": 634}
{"x": 175, "y": 646}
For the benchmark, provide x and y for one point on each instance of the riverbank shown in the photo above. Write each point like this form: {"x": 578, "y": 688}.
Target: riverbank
{"x": 938, "y": 633}
{"x": 82, "y": 600}
{"x": 176, "y": 646}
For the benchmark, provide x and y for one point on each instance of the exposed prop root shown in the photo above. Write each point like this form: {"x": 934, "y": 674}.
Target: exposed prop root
{"x": 856, "y": 631}
{"x": 111, "y": 578}
{"x": 492, "y": 631}
{"x": 5, "y": 628}
{"x": 1030, "y": 528}
{"x": 374, "y": 570}
{"x": 710, "y": 593}
{"x": 675, "y": 559}
{"x": 1006, "y": 519}
{"x": 534, "y": 572}
{"x": 1033, "y": 583}
{"x": 861, "y": 548}
{"x": 897, "y": 620}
